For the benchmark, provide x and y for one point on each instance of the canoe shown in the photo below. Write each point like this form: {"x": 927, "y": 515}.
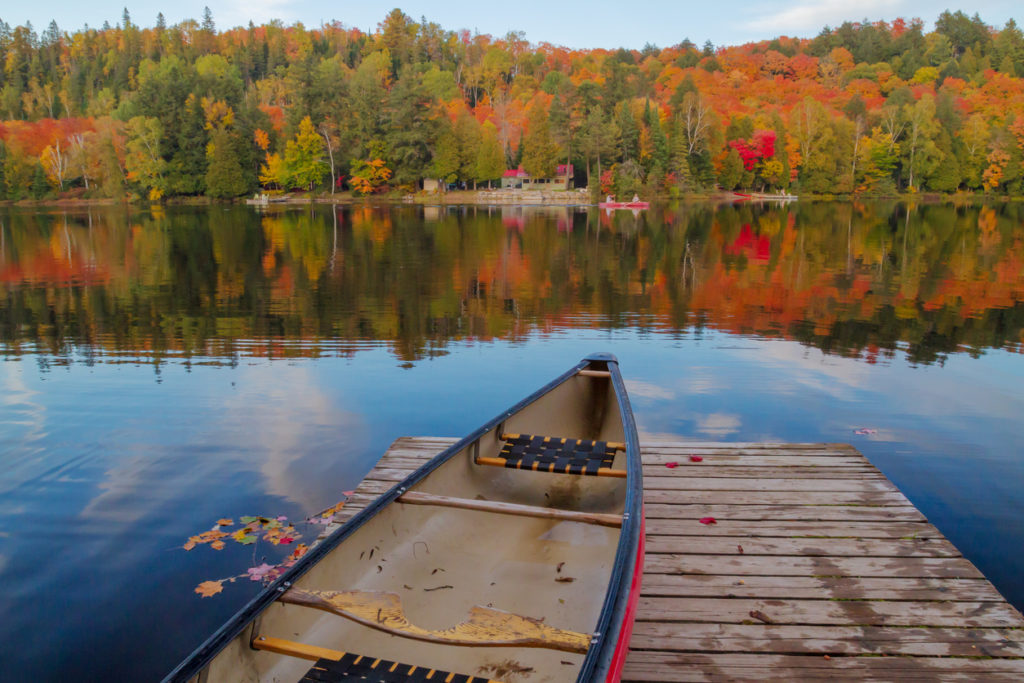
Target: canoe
{"x": 624, "y": 205}
{"x": 514, "y": 555}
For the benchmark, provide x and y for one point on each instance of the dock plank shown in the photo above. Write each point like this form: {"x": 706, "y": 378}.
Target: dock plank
{"x": 855, "y": 582}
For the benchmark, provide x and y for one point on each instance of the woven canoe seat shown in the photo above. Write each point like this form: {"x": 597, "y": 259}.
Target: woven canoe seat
{"x": 358, "y": 667}
{"x": 552, "y": 454}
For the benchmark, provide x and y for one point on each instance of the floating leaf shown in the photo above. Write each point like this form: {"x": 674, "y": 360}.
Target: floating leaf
{"x": 240, "y": 534}
{"x": 248, "y": 519}
{"x": 672, "y": 465}
{"x": 708, "y": 520}
{"x": 248, "y": 539}
{"x": 217, "y": 545}
{"x": 259, "y": 573}
{"x": 300, "y": 550}
{"x": 208, "y": 589}
{"x": 272, "y": 524}
{"x": 696, "y": 458}
{"x": 225, "y": 522}
{"x": 287, "y": 539}
{"x": 191, "y": 544}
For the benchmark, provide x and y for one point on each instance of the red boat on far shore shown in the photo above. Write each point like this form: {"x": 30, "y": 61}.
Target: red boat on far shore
{"x": 624, "y": 205}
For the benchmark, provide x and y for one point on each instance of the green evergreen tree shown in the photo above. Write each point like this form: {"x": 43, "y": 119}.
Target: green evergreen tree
{"x": 732, "y": 171}
{"x": 40, "y": 186}
{"x": 224, "y": 176}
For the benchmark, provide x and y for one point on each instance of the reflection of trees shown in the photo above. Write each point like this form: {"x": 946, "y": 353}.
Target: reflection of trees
{"x": 856, "y": 279}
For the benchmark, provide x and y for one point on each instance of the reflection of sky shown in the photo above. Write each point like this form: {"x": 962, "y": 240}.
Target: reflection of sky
{"x": 105, "y": 470}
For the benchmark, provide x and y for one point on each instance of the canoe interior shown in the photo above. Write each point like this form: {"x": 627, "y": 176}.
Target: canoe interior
{"x": 441, "y": 561}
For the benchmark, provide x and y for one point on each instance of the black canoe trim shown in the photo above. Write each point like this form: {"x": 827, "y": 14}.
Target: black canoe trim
{"x": 598, "y": 661}
{"x": 204, "y": 654}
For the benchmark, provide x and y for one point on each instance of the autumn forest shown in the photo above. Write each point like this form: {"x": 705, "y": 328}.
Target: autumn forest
{"x": 190, "y": 110}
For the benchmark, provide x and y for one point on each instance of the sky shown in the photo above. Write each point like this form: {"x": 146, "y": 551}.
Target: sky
{"x": 572, "y": 23}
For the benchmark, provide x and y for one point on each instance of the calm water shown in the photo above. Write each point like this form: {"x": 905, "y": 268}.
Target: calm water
{"x": 164, "y": 369}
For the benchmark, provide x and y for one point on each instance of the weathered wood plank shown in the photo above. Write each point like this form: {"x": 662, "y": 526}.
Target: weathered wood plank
{"x": 661, "y": 459}
{"x": 837, "y": 547}
{"x": 785, "y": 513}
{"x": 776, "y": 497}
{"x": 810, "y": 530}
{"x": 914, "y": 567}
{"x": 832, "y": 640}
{"x": 825, "y": 612}
{"x": 818, "y": 587}
{"x": 652, "y": 473}
{"x": 759, "y": 484}
{"x": 656, "y": 665}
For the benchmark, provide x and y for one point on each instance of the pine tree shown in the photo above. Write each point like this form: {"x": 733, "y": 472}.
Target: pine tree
{"x": 224, "y": 176}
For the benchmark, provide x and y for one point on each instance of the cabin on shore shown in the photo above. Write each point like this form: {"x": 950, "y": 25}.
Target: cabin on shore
{"x": 518, "y": 179}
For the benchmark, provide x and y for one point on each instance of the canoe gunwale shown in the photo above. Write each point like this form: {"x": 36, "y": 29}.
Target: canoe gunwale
{"x": 599, "y": 662}
{"x": 597, "y": 658}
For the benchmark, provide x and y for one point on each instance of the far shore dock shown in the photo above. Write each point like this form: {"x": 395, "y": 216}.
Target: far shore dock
{"x": 816, "y": 567}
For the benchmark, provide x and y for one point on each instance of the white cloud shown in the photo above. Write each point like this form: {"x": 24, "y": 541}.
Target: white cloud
{"x": 639, "y": 389}
{"x": 803, "y": 18}
{"x": 718, "y": 424}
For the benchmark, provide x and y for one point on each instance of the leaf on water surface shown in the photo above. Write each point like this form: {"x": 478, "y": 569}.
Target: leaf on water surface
{"x": 247, "y": 539}
{"x": 707, "y": 520}
{"x": 286, "y": 539}
{"x": 696, "y": 458}
{"x": 217, "y": 545}
{"x": 672, "y": 465}
{"x": 225, "y": 522}
{"x": 208, "y": 589}
{"x": 191, "y": 544}
{"x": 248, "y": 519}
{"x": 261, "y": 572}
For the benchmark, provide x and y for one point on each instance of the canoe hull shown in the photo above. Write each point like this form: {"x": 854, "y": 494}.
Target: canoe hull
{"x": 624, "y": 205}
{"x": 439, "y": 563}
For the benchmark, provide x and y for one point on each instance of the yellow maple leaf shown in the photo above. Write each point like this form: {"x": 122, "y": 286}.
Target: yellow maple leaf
{"x": 208, "y": 589}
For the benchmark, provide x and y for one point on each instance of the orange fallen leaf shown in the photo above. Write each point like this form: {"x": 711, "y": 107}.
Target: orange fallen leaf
{"x": 208, "y": 589}
{"x": 191, "y": 544}
{"x": 217, "y": 545}
{"x": 225, "y": 522}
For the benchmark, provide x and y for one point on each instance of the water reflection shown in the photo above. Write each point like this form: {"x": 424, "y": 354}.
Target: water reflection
{"x": 858, "y": 279}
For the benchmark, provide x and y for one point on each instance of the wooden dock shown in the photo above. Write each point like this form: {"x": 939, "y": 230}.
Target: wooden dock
{"x": 817, "y": 567}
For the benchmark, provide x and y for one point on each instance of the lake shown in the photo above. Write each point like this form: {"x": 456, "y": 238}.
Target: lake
{"x": 165, "y": 368}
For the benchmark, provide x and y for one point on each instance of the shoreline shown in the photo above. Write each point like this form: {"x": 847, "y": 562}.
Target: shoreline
{"x": 576, "y": 198}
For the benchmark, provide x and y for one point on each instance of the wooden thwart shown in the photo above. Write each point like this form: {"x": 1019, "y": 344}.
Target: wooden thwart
{"x": 417, "y": 498}
{"x": 485, "y": 627}
{"x": 500, "y": 462}
{"x": 294, "y": 649}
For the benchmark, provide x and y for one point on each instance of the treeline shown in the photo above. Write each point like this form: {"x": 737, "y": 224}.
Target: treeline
{"x": 190, "y": 110}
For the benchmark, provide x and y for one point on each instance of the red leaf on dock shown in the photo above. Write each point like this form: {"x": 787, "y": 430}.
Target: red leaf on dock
{"x": 696, "y": 458}
{"x": 671, "y": 465}
{"x": 708, "y": 520}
